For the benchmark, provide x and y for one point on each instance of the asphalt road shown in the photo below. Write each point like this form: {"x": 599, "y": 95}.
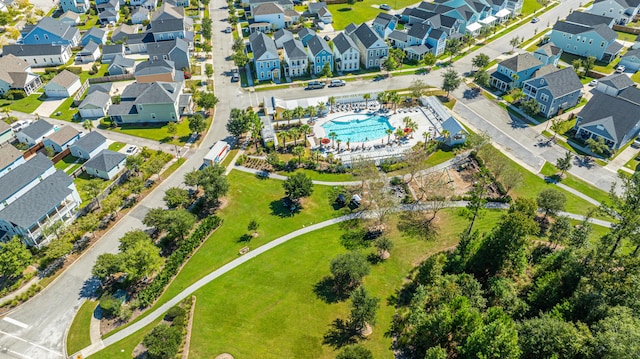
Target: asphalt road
{"x": 37, "y": 328}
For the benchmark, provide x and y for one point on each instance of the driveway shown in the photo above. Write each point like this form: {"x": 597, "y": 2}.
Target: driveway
{"x": 48, "y": 107}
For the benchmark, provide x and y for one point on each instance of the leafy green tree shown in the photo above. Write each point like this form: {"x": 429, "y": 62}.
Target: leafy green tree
{"x": 451, "y": 81}
{"x": 436, "y": 353}
{"x": 390, "y": 64}
{"x": 93, "y": 187}
{"x": 176, "y": 197}
{"x": 356, "y": 351}
{"x": 240, "y": 58}
{"x": 133, "y": 163}
{"x": 238, "y": 123}
{"x": 588, "y": 64}
{"x": 564, "y": 163}
{"x": 428, "y": 60}
{"x": 363, "y": 309}
{"x": 551, "y": 337}
{"x": 496, "y": 339}
{"x": 208, "y": 70}
{"x": 253, "y": 226}
{"x": 197, "y": 123}
{"x": 417, "y": 88}
{"x": 326, "y": 70}
{"x": 14, "y": 257}
{"x": 531, "y": 107}
{"x": 348, "y": 269}
{"x": 477, "y": 200}
{"x": 107, "y": 264}
{"x": 480, "y": 61}
{"x": 598, "y": 147}
{"x": 384, "y": 246}
{"x": 482, "y": 78}
{"x": 299, "y": 152}
{"x": 131, "y": 238}
{"x": 625, "y": 208}
{"x": 214, "y": 182}
{"x": 172, "y": 129}
{"x": 162, "y": 342}
{"x": 560, "y": 231}
{"x": 207, "y": 100}
{"x": 298, "y": 186}
{"x": 141, "y": 259}
{"x": 238, "y": 45}
{"x": 206, "y": 27}
{"x": 617, "y": 336}
{"x": 551, "y": 201}
{"x": 515, "y": 42}
{"x": 453, "y": 47}
{"x": 88, "y": 125}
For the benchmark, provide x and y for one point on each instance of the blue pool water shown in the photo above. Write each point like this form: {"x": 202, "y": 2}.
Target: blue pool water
{"x": 358, "y": 128}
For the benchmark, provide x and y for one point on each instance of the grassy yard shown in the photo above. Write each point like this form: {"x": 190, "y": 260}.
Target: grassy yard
{"x": 344, "y": 14}
{"x": 633, "y": 163}
{"x": 68, "y": 164}
{"x": 116, "y": 146}
{"x": 81, "y": 181}
{"x": 78, "y": 336}
{"x": 158, "y": 132}
{"x": 319, "y": 176}
{"x": 623, "y": 36}
{"x": 529, "y": 6}
{"x": 26, "y": 105}
{"x": 571, "y": 181}
{"x": 438, "y": 157}
{"x": 65, "y": 111}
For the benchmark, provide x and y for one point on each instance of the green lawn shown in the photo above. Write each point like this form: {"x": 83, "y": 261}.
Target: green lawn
{"x": 636, "y": 77}
{"x": 26, "y": 105}
{"x": 65, "y": 111}
{"x": 623, "y": 36}
{"x": 320, "y": 176}
{"x": 116, "y": 146}
{"x": 124, "y": 348}
{"x": 362, "y": 11}
{"x": 80, "y": 182}
{"x": 571, "y": 181}
{"x": 439, "y": 157}
{"x": 68, "y": 164}
{"x": 633, "y": 163}
{"x": 158, "y": 132}
{"x": 173, "y": 167}
{"x": 529, "y": 6}
{"x": 78, "y": 336}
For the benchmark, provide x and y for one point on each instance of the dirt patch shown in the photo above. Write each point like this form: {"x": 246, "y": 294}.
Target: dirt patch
{"x": 224, "y": 356}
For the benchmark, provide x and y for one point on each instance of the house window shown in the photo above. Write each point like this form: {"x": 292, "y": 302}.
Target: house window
{"x": 46, "y": 37}
{"x": 543, "y": 108}
{"x": 139, "y": 107}
{"x": 544, "y": 97}
{"x": 590, "y": 41}
{"x": 153, "y": 116}
{"x": 570, "y": 37}
{"x": 155, "y": 58}
{"x": 602, "y": 44}
{"x": 35, "y": 61}
{"x": 36, "y": 37}
{"x": 165, "y": 57}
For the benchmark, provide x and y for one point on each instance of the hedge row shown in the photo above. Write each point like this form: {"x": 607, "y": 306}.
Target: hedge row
{"x": 150, "y": 293}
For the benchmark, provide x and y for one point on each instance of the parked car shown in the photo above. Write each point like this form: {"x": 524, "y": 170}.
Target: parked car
{"x": 228, "y": 30}
{"x": 337, "y": 83}
{"x": 385, "y": 7}
{"x": 327, "y": 38}
{"x": 620, "y": 69}
{"x": 235, "y": 77}
{"x": 313, "y": 85}
{"x": 534, "y": 20}
{"x": 132, "y": 150}
{"x": 593, "y": 83}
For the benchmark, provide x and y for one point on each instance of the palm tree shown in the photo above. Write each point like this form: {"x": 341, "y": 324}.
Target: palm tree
{"x": 321, "y": 108}
{"x": 256, "y": 128}
{"x": 87, "y": 125}
{"x": 299, "y": 112}
{"x": 348, "y": 144}
{"x": 413, "y": 126}
{"x": 306, "y": 130}
{"x": 366, "y": 98}
{"x": 383, "y": 97}
{"x": 399, "y": 133}
{"x": 332, "y": 102}
{"x": 406, "y": 120}
{"x": 425, "y": 136}
{"x": 283, "y": 138}
{"x": 332, "y": 136}
{"x": 294, "y": 133}
{"x": 298, "y": 151}
{"x": 395, "y": 99}
{"x": 6, "y": 111}
{"x": 389, "y": 132}
{"x": 445, "y": 134}
{"x": 338, "y": 141}
{"x": 287, "y": 115}
{"x": 311, "y": 110}
{"x": 316, "y": 155}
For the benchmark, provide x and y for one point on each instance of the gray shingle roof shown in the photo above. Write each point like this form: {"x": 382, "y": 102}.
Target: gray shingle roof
{"x": 521, "y": 62}
{"x": 316, "y": 44}
{"x": 383, "y": 19}
{"x": 33, "y": 50}
{"x": 281, "y": 36}
{"x": 563, "y": 82}
{"x": 20, "y": 176}
{"x": 102, "y": 87}
{"x": 262, "y": 44}
{"x": 306, "y": 32}
{"x": 350, "y": 28}
{"x": 150, "y": 67}
{"x": 166, "y": 47}
{"x": 617, "y": 81}
{"x": 632, "y": 53}
{"x": 38, "y": 201}
{"x": 366, "y": 35}
{"x": 588, "y": 19}
{"x": 168, "y": 12}
{"x": 112, "y": 49}
{"x": 63, "y": 135}
{"x": 314, "y": 7}
{"x": 122, "y": 61}
{"x": 8, "y": 154}
{"x": 10, "y": 66}
{"x": 419, "y": 31}
{"x": 294, "y": 49}
{"x": 65, "y": 78}
{"x": 342, "y": 43}
{"x": 92, "y": 140}
{"x": 614, "y": 48}
{"x": 57, "y": 28}
{"x": 548, "y": 49}
{"x": 630, "y": 94}
{"x": 37, "y": 129}
{"x": 89, "y": 48}
{"x": 611, "y": 116}
{"x": 140, "y": 11}
{"x": 95, "y": 99}
{"x": 575, "y": 29}
{"x": 435, "y": 34}
{"x": 267, "y": 9}
{"x": 105, "y": 160}
{"x": 94, "y": 32}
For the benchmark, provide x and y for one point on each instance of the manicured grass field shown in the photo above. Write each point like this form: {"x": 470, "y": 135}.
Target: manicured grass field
{"x": 623, "y": 36}
{"x": 158, "y": 133}
{"x": 79, "y": 337}
{"x": 439, "y": 157}
{"x": 529, "y": 6}
{"x": 319, "y": 176}
{"x": 68, "y": 164}
{"x": 81, "y": 181}
{"x": 116, "y": 146}
{"x": 124, "y": 348}
{"x": 570, "y": 180}
{"x": 26, "y": 105}
{"x": 65, "y": 110}
{"x": 362, "y": 11}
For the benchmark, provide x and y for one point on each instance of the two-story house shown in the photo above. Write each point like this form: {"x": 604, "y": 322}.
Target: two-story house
{"x": 253, "y": 4}
{"x": 16, "y": 74}
{"x": 156, "y": 102}
{"x": 40, "y": 55}
{"x": 10, "y": 157}
{"x": 147, "y": 4}
{"x": 589, "y": 19}
{"x": 598, "y": 41}
{"x": 548, "y": 54}
{"x": 384, "y": 24}
{"x": 158, "y": 70}
{"x": 320, "y": 11}
{"x": 622, "y": 11}
{"x": 295, "y": 58}
{"x": 169, "y": 22}
{"x": 281, "y": 36}
{"x": 373, "y": 49}
{"x": 49, "y": 31}
{"x": 176, "y": 50}
{"x": 77, "y": 6}
{"x": 266, "y": 59}
{"x": 94, "y": 34}
{"x": 346, "y": 54}
{"x": 319, "y": 54}
{"x": 512, "y": 72}
{"x": 108, "y": 12}
{"x": 269, "y": 13}
{"x": 305, "y": 35}
{"x": 555, "y": 91}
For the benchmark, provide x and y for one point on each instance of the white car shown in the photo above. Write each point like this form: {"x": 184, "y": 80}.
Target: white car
{"x": 620, "y": 69}
{"x": 385, "y": 7}
{"x": 593, "y": 83}
{"x": 132, "y": 150}
{"x": 337, "y": 83}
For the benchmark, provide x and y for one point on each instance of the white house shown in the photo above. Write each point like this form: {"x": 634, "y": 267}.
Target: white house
{"x": 35, "y": 132}
{"x": 65, "y": 84}
{"x": 346, "y": 54}
{"x": 95, "y": 105}
{"x": 373, "y": 50}
{"x": 40, "y": 55}
{"x": 295, "y": 58}
{"x": 89, "y": 145}
{"x": 89, "y": 53}
{"x": 106, "y": 164}
{"x": 61, "y": 139}
{"x": 10, "y": 158}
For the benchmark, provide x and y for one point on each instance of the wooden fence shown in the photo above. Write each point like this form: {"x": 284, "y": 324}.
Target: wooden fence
{"x": 57, "y": 158}
{"x": 113, "y": 78}
{"x": 627, "y": 29}
{"x": 32, "y": 151}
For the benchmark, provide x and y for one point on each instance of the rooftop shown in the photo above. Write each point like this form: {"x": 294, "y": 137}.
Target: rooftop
{"x": 63, "y": 135}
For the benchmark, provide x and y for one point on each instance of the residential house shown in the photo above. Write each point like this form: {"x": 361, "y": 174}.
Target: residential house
{"x": 122, "y": 32}
{"x": 63, "y": 85}
{"x": 295, "y": 59}
{"x": 512, "y": 72}
{"x": 305, "y": 35}
{"x": 589, "y": 19}
{"x": 77, "y": 6}
{"x": 94, "y": 105}
{"x": 499, "y": 10}
{"x": 612, "y": 118}
{"x": 147, "y": 4}
{"x": 271, "y": 14}
{"x": 320, "y": 11}
{"x": 631, "y": 60}
{"x": 622, "y": 11}
{"x": 10, "y": 157}
{"x": 613, "y": 84}
{"x": 598, "y": 41}
{"x": 109, "y": 52}
{"x": 89, "y": 145}
{"x": 445, "y": 127}
{"x": 158, "y": 70}
{"x": 106, "y": 164}
{"x": 548, "y": 54}
{"x": 324, "y": 16}
{"x": 265, "y": 57}
{"x": 139, "y": 15}
{"x": 6, "y": 134}
{"x": 70, "y": 18}
{"x": 61, "y": 139}
{"x": 40, "y": 55}
{"x": 346, "y": 54}
{"x": 108, "y": 11}
{"x": 50, "y": 31}
{"x": 23, "y": 177}
{"x": 437, "y": 41}
{"x": 35, "y": 132}
{"x": 121, "y": 65}
{"x": 281, "y": 36}
{"x": 16, "y": 74}
{"x": 176, "y": 50}
{"x": 373, "y": 50}
{"x": 319, "y": 54}
{"x": 46, "y": 201}
{"x": 89, "y": 53}
{"x": 169, "y": 23}
{"x": 253, "y": 4}
{"x": 397, "y": 39}
{"x": 515, "y": 6}
{"x": 555, "y": 91}
{"x": 134, "y": 42}
{"x": 94, "y": 34}
{"x": 155, "y": 102}
{"x": 178, "y": 3}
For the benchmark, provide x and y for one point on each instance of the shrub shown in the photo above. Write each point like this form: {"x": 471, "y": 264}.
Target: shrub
{"x": 110, "y": 306}
{"x": 15, "y": 95}
{"x": 174, "y": 312}
{"x": 241, "y": 159}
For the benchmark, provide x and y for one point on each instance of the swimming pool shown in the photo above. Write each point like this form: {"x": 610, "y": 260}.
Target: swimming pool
{"x": 358, "y": 128}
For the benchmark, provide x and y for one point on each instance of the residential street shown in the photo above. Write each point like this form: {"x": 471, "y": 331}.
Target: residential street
{"x": 37, "y": 328}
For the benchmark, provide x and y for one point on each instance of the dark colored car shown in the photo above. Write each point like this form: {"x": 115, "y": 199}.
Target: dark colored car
{"x": 314, "y": 85}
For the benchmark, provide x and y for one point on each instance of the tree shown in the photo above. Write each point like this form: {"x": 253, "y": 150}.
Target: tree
{"x": 550, "y": 337}
{"x": 107, "y": 264}
{"x": 141, "y": 259}
{"x": 348, "y": 269}
{"x": 480, "y": 61}
{"x": 436, "y": 353}
{"x": 14, "y": 257}
{"x": 208, "y": 70}
{"x": 551, "y": 201}
{"x": 477, "y": 200}
{"x": 238, "y": 122}
{"x": 206, "y": 27}
{"x": 451, "y": 81}
{"x": 93, "y": 187}
{"x": 298, "y": 186}
{"x": 564, "y": 163}
{"x": 176, "y": 222}
{"x": 197, "y": 123}
{"x": 366, "y": 97}
{"x": 253, "y": 226}
{"x": 152, "y": 167}
{"x": 214, "y": 182}
{"x": 326, "y": 70}
{"x": 162, "y": 342}
{"x": 560, "y": 231}
{"x": 497, "y": 338}
{"x": 363, "y": 309}
{"x": 417, "y": 88}
{"x": 617, "y": 335}
{"x": 240, "y": 58}
{"x": 384, "y": 246}
{"x": 321, "y": 108}
{"x": 515, "y": 42}
{"x": 598, "y": 147}
{"x": 238, "y": 45}
{"x": 312, "y": 111}
{"x": 577, "y": 64}
{"x": 428, "y": 60}
{"x": 172, "y": 129}
{"x": 588, "y": 64}
{"x": 256, "y": 125}
{"x": 351, "y": 3}
{"x": 299, "y": 112}
{"x": 333, "y": 136}
{"x": 482, "y": 78}
{"x": 356, "y": 351}
{"x": 331, "y": 101}
{"x": 207, "y": 100}
{"x": 287, "y": 115}
{"x": 531, "y": 107}
{"x": 176, "y": 197}
{"x": 56, "y": 228}
{"x": 131, "y": 238}
{"x": 390, "y": 63}
{"x": 88, "y": 223}
{"x": 88, "y": 125}
{"x": 453, "y": 47}
{"x": 625, "y": 208}
{"x": 298, "y": 151}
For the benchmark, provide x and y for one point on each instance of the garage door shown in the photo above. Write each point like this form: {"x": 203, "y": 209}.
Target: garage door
{"x": 91, "y": 113}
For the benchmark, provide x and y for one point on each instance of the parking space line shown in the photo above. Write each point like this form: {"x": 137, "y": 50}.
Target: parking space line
{"x": 32, "y": 344}
{"x": 15, "y": 322}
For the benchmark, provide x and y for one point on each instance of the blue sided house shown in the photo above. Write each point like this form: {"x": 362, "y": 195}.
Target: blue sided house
{"x": 555, "y": 91}
{"x": 49, "y": 31}
{"x": 512, "y": 72}
{"x": 265, "y": 57}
